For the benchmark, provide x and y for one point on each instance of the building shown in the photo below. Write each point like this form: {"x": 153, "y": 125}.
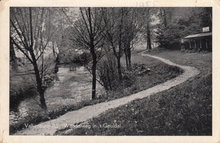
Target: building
{"x": 198, "y": 42}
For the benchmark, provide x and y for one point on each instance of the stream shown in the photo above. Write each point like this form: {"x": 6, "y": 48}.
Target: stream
{"x": 70, "y": 88}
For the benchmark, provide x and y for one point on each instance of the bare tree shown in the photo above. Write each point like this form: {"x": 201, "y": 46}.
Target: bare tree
{"x": 130, "y": 33}
{"x": 122, "y": 27}
{"x": 30, "y": 33}
{"x": 148, "y": 30}
{"x": 144, "y": 18}
{"x": 88, "y": 34}
{"x": 13, "y": 58}
{"x": 114, "y": 32}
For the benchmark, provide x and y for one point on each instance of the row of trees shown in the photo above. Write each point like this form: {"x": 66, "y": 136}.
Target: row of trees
{"x": 106, "y": 33}
{"x": 110, "y": 31}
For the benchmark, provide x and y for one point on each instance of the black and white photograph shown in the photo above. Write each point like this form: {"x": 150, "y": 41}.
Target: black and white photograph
{"x": 110, "y": 71}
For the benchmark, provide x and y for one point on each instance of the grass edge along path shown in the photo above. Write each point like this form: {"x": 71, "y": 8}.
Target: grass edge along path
{"x": 86, "y": 113}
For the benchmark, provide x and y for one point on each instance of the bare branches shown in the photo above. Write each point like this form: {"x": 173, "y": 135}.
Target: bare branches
{"x": 85, "y": 22}
{"x": 31, "y": 34}
{"x": 31, "y": 28}
{"x": 89, "y": 70}
{"x": 19, "y": 47}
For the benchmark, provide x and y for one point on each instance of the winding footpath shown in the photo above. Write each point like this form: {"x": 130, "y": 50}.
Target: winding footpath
{"x": 88, "y": 112}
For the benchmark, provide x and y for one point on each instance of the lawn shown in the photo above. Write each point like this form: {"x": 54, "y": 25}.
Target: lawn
{"x": 69, "y": 95}
{"x": 183, "y": 110}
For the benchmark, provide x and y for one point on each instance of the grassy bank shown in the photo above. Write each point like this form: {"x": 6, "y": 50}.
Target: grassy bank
{"x": 62, "y": 101}
{"x": 183, "y": 110}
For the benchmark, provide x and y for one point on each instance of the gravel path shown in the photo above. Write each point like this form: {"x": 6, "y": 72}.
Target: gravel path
{"x": 88, "y": 112}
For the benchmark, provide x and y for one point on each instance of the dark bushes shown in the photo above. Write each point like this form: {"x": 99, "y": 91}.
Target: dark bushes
{"x": 81, "y": 59}
{"x": 107, "y": 72}
{"x": 19, "y": 92}
{"x": 75, "y": 58}
{"x": 22, "y": 87}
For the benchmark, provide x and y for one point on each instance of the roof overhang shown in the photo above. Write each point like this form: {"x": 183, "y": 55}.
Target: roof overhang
{"x": 198, "y": 35}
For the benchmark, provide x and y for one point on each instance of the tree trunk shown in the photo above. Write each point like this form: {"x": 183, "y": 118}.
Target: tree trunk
{"x": 42, "y": 101}
{"x": 54, "y": 52}
{"x": 148, "y": 31}
{"x": 148, "y": 37}
{"x": 120, "y": 45}
{"x": 39, "y": 86}
{"x": 126, "y": 58}
{"x": 109, "y": 79}
{"x": 163, "y": 11}
{"x": 94, "y": 76}
{"x": 119, "y": 68}
{"x": 92, "y": 51}
{"x": 13, "y": 58}
{"x": 38, "y": 80}
{"x": 129, "y": 57}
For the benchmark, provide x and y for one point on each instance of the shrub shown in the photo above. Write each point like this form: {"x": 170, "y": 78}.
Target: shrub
{"x": 48, "y": 80}
{"x": 81, "y": 59}
{"x": 107, "y": 72}
{"x": 19, "y": 92}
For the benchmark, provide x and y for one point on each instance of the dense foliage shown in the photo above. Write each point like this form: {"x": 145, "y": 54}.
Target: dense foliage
{"x": 176, "y": 25}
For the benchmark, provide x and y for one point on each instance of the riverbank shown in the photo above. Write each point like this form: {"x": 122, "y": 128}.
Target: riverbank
{"x": 183, "y": 110}
{"x": 60, "y": 97}
{"x": 75, "y": 118}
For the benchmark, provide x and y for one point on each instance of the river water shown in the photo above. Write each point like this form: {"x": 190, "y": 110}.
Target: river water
{"x": 71, "y": 88}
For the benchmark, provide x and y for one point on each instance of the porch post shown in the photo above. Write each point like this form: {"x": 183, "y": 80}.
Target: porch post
{"x": 200, "y": 47}
{"x": 190, "y": 44}
{"x": 206, "y": 43}
{"x": 195, "y": 44}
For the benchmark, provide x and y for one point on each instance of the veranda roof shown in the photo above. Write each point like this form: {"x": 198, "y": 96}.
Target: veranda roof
{"x": 198, "y": 35}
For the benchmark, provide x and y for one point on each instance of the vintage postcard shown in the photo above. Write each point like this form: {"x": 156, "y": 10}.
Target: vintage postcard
{"x": 112, "y": 71}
